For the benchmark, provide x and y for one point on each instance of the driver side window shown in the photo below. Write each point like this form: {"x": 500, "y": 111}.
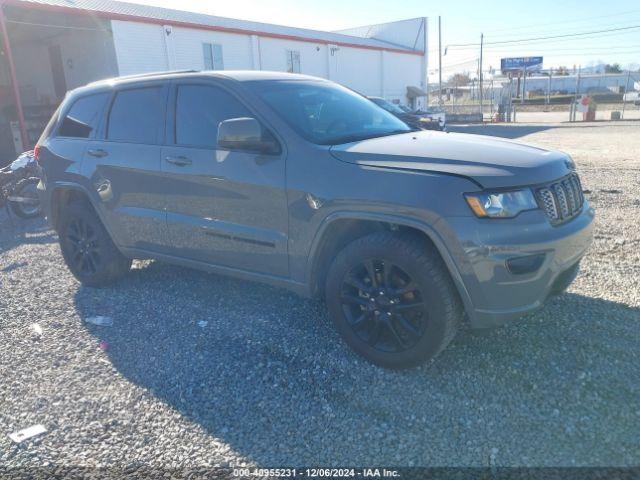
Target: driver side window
{"x": 199, "y": 111}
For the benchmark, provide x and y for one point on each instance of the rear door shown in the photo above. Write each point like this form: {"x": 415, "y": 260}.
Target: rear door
{"x": 124, "y": 167}
{"x": 224, "y": 207}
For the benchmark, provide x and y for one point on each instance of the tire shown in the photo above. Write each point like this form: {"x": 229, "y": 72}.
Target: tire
{"x": 88, "y": 249}
{"x": 26, "y": 186}
{"x": 418, "y": 306}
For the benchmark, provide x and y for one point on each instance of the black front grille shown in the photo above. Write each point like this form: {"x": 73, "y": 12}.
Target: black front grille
{"x": 561, "y": 200}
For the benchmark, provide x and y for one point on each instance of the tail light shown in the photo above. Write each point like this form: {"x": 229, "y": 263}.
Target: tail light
{"x": 36, "y": 152}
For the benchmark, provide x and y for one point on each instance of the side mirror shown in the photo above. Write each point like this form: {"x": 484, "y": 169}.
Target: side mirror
{"x": 246, "y": 134}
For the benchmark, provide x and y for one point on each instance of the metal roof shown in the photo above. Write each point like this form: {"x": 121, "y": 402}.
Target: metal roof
{"x": 144, "y": 13}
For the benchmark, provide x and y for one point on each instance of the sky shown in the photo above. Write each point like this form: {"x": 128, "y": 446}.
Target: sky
{"x": 463, "y": 21}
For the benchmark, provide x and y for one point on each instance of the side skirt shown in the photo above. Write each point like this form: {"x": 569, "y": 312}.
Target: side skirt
{"x": 273, "y": 280}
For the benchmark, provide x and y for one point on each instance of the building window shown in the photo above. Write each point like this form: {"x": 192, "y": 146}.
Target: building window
{"x": 212, "y": 56}
{"x": 293, "y": 61}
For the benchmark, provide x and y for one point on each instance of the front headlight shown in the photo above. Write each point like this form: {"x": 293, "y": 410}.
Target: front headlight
{"x": 501, "y": 204}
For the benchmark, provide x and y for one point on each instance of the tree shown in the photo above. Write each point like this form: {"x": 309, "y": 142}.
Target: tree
{"x": 561, "y": 71}
{"x": 613, "y": 68}
{"x": 459, "y": 79}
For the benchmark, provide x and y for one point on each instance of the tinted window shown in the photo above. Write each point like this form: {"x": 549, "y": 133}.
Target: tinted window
{"x": 137, "y": 115}
{"x": 83, "y": 116}
{"x": 199, "y": 111}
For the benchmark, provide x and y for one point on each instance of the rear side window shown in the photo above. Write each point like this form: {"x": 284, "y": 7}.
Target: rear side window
{"x": 199, "y": 111}
{"x": 83, "y": 116}
{"x": 137, "y": 116}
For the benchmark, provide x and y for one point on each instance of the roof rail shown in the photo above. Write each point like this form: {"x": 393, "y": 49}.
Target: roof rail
{"x": 144, "y": 75}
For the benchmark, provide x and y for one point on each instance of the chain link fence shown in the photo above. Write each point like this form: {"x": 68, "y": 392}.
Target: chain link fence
{"x": 544, "y": 99}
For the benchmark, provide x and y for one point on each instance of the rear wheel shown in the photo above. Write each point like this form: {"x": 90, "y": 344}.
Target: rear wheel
{"x": 88, "y": 249}
{"x": 392, "y": 300}
{"x": 29, "y": 204}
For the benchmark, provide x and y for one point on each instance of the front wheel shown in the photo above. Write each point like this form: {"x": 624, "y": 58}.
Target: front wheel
{"x": 27, "y": 204}
{"x": 392, "y": 299}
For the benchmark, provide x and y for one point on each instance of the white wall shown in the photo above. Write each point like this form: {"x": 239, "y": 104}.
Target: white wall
{"x": 139, "y": 47}
{"x": 313, "y": 57}
{"x": 360, "y": 70}
{"x": 142, "y": 48}
{"x": 401, "y": 71}
{"x": 236, "y": 49}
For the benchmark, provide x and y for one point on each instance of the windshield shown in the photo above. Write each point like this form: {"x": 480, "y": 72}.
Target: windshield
{"x": 326, "y": 113}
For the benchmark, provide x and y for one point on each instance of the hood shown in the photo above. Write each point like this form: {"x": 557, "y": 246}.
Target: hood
{"x": 492, "y": 162}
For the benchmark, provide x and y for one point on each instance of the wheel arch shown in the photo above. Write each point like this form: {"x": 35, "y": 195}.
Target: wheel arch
{"x": 341, "y": 228}
{"x": 64, "y": 193}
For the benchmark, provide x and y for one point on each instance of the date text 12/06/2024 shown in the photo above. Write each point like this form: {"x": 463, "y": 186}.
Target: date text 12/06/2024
{"x": 316, "y": 472}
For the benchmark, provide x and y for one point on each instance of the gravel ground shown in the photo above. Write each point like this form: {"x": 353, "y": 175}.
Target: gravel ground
{"x": 267, "y": 381}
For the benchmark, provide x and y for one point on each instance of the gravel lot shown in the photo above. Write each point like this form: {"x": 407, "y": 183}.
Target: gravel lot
{"x": 267, "y": 382}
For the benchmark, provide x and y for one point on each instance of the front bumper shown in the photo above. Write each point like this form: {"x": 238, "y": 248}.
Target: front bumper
{"x": 483, "y": 250}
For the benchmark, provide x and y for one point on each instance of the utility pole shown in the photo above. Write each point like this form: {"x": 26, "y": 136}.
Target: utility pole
{"x": 439, "y": 61}
{"x": 480, "y": 75}
{"x": 549, "y": 86}
{"x": 626, "y": 89}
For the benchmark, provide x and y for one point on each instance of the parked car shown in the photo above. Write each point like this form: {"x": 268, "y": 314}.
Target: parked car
{"x": 436, "y": 114}
{"x": 298, "y": 182}
{"x": 418, "y": 122}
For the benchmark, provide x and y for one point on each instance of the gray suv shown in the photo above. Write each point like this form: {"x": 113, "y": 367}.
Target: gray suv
{"x": 301, "y": 183}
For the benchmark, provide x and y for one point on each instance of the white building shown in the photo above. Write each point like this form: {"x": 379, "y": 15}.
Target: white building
{"x": 55, "y": 45}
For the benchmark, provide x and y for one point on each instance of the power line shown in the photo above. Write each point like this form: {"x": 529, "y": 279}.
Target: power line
{"x": 570, "y": 30}
{"x": 546, "y": 38}
{"x": 564, "y": 22}
{"x": 537, "y": 43}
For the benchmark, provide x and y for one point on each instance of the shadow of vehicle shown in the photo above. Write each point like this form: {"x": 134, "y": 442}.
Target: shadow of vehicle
{"x": 16, "y": 231}
{"x": 266, "y": 355}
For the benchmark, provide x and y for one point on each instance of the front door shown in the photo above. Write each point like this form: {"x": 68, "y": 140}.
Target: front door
{"x": 224, "y": 207}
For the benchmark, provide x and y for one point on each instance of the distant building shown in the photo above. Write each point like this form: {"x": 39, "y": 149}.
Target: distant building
{"x": 51, "y": 46}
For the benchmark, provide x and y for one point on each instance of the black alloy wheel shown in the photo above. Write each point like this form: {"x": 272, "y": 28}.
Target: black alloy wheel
{"x": 85, "y": 248}
{"x": 392, "y": 300}
{"x": 383, "y": 305}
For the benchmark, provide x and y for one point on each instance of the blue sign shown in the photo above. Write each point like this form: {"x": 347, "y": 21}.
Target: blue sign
{"x": 520, "y": 64}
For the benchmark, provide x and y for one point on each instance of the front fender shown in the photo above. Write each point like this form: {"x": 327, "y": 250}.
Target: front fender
{"x": 429, "y": 230}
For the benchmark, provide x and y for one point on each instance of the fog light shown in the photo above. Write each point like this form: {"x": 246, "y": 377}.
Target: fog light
{"x": 528, "y": 264}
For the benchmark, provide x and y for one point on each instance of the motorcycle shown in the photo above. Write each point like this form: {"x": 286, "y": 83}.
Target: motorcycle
{"x": 18, "y": 186}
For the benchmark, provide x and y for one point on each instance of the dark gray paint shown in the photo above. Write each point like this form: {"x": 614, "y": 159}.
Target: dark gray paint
{"x": 249, "y": 215}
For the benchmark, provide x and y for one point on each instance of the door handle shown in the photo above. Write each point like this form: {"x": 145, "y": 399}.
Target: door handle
{"x": 180, "y": 161}
{"x": 98, "y": 153}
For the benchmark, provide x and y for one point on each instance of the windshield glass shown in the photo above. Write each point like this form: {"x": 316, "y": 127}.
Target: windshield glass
{"x": 326, "y": 113}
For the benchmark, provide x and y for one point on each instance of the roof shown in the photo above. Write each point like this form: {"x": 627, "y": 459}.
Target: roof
{"x": 149, "y": 14}
{"x": 238, "y": 75}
